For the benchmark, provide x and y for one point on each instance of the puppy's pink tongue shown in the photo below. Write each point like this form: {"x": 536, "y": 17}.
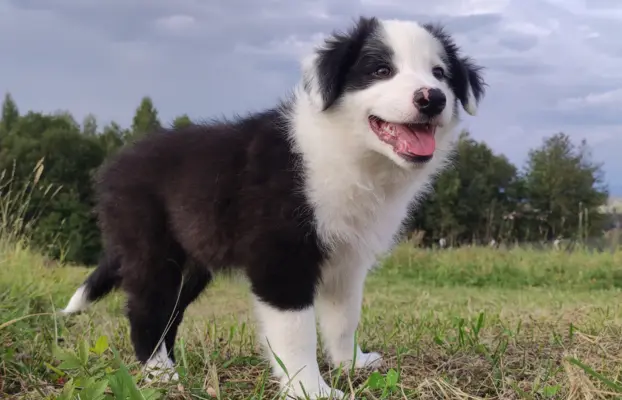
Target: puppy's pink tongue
{"x": 418, "y": 142}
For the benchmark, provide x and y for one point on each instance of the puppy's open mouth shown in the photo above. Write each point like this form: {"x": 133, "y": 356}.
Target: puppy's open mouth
{"x": 414, "y": 142}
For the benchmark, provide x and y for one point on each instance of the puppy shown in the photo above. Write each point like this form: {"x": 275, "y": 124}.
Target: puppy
{"x": 302, "y": 198}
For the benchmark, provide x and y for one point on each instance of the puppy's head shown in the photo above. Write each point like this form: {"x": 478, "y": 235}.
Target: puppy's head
{"x": 395, "y": 86}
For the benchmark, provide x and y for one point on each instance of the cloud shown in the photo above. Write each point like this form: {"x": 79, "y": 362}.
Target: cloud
{"x": 176, "y": 24}
{"x": 552, "y": 65}
{"x": 608, "y": 99}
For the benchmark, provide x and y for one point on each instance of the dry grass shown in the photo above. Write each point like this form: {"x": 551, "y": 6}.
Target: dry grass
{"x": 458, "y": 324}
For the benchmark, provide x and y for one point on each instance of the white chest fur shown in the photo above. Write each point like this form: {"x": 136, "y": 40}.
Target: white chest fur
{"x": 361, "y": 209}
{"x": 359, "y": 197}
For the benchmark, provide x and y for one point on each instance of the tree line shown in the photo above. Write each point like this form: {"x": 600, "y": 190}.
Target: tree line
{"x": 482, "y": 197}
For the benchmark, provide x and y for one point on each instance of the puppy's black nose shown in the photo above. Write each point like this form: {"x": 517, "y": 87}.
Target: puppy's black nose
{"x": 430, "y": 102}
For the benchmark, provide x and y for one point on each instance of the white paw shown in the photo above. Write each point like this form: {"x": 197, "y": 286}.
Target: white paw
{"x": 363, "y": 360}
{"x": 368, "y": 360}
{"x": 157, "y": 373}
{"x": 160, "y": 368}
{"x": 294, "y": 390}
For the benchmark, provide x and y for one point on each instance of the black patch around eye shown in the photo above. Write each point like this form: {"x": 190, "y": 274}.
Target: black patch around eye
{"x": 336, "y": 60}
{"x": 375, "y": 63}
{"x": 349, "y": 61}
{"x": 372, "y": 62}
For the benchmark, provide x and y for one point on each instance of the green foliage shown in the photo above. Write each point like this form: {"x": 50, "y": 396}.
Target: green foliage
{"x": 66, "y": 227}
{"x": 90, "y": 373}
{"x": 182, "y": 121}
{"x": 112, "y": 138}
{"x": 386, "y": 383}
{"x": 146, "y": 119}
{"x": 10, "y": 114}
{"x": 513, "y": 269}
{"x": 471, "y": 197}
{"x": 561, "y": 183}
{"x": 21, "y": 204}
{"x": 89, "y": 125}
{"x": 481, "y": 197}
{"x": 66, "y": 155}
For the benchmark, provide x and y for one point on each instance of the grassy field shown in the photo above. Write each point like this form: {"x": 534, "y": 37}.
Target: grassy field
{"x": 464, "y": 324}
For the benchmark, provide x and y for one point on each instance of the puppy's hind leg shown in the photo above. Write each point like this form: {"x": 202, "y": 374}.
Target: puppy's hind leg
{"x": 156, "y": 303}
{"x": 195, "y": 280}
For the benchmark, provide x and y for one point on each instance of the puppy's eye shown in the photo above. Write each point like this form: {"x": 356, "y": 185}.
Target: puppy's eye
{"x": 438, "y": 72}
{"x": 382, "y": 72}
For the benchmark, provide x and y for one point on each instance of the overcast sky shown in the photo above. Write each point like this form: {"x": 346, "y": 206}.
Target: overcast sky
{"x": 552, "y": 65}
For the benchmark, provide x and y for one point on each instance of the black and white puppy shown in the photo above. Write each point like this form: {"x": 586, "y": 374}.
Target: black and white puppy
{"x": 303, "y": 198}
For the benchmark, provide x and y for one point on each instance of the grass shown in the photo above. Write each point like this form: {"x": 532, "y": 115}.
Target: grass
{"x": 462, "y": 324}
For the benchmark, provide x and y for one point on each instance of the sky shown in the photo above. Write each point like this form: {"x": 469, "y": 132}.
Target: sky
{"x": 551, "y": 65}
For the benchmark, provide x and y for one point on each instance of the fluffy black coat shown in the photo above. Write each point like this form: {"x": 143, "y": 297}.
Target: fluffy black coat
{"x": 222, "y": 195}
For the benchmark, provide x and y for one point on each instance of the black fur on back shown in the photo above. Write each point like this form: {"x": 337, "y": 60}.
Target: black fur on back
{"x": 224, "y": 195}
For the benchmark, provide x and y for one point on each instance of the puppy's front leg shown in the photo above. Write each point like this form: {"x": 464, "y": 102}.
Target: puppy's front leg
{"x": 338, "y": 305}
{"x": 291, "y": 336}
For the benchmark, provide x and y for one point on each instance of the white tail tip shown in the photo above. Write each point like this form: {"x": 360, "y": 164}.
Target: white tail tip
{"x": 78, "y": 302}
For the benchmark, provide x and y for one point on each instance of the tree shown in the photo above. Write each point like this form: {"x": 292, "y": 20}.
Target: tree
{"x": 145, "y": 119}
{"x": 66, "y": 226}
{"x": 565, "y": 188}
{"x": 471, "y": 198}
{"x": 66, "y": 116}
{"x": 182, "y": 121}
{"x": 23, "y": 144}
{"x": 10, "y": 114}
{"x": 89, "y": 125}
{"x": 112, "y": 137}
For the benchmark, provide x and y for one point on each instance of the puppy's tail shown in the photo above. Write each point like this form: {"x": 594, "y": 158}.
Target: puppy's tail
{"x": 99, "y": 283}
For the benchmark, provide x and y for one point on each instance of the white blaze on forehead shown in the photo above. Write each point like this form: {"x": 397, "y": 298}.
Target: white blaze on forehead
{"x": 414, "y": 48}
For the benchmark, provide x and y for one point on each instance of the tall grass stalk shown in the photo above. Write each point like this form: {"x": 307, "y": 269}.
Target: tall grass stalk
{"x": 18, "y": 211}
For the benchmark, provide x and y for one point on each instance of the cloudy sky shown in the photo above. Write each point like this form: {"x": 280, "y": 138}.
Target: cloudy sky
{"x": 552, "y": 65}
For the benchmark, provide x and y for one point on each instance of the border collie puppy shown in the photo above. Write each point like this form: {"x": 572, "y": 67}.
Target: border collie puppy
{"x": 303, "y": 198}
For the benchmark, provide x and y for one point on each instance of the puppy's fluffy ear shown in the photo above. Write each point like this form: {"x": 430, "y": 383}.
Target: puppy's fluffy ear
{"x": 327, "y": 70}
{"x": 473, "y": 86}
{"x": 465, "y": 78}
